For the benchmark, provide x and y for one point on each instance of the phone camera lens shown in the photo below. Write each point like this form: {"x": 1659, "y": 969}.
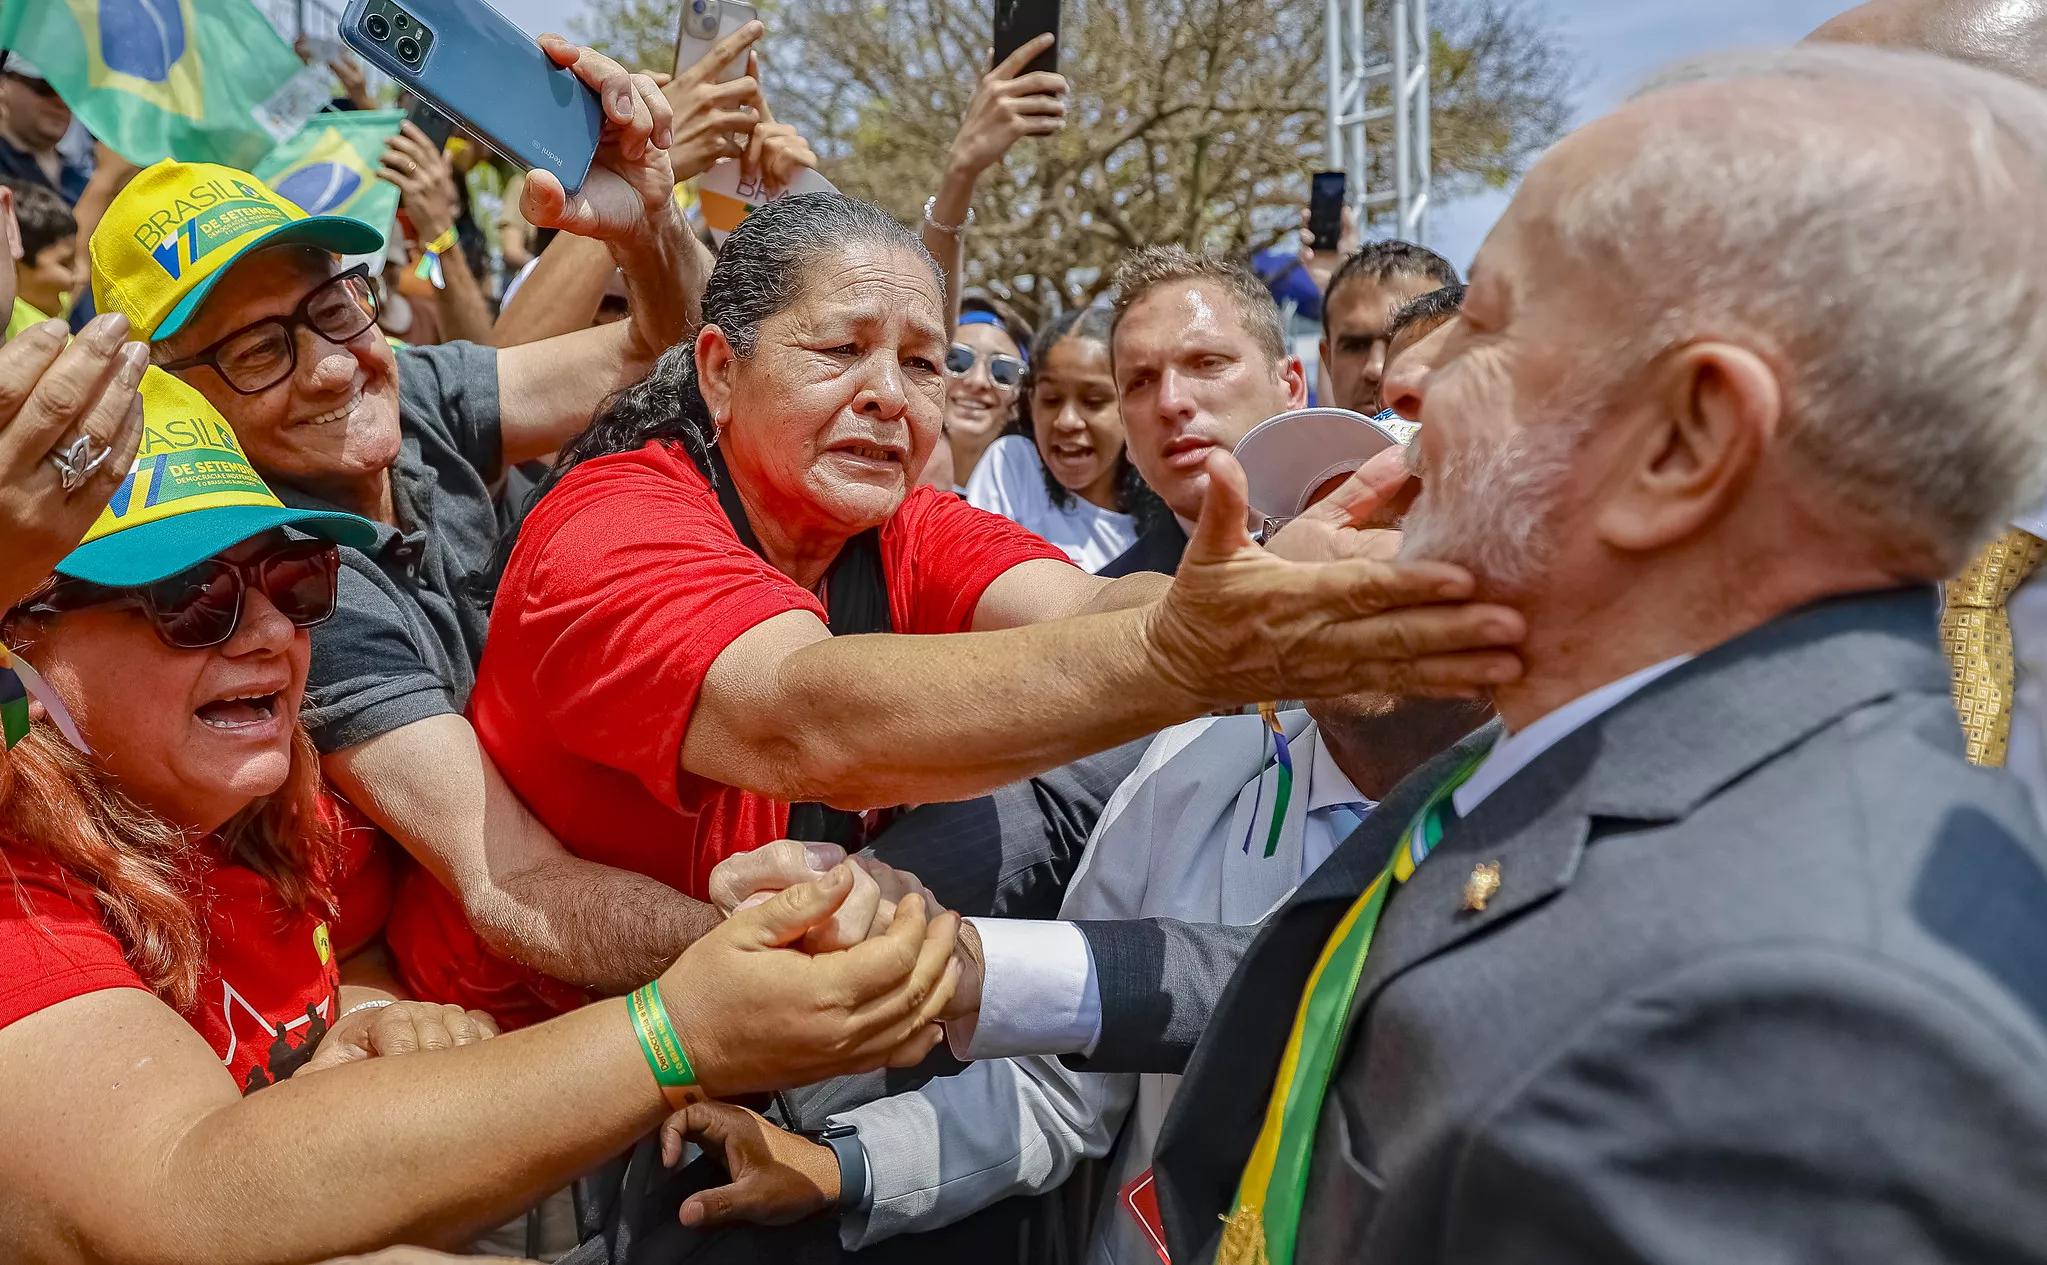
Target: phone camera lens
{"x": 403, "y": 22}
{"x": 696, "y": 6}
{"x": 408, "y": 49}
{"x": 378, "y": 28}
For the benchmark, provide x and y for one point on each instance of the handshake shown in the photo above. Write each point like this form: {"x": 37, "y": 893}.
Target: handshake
{"x": 849, "y": 907}
{"x": 870, "y": 907}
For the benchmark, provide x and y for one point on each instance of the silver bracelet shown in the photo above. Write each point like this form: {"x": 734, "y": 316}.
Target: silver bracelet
{"x": 951, "y": 230}
{"x": 375, "y": 1003}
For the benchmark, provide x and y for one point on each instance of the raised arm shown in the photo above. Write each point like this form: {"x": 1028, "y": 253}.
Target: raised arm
{"x": 426, "y": 189}
{"x": 1007, "y": 106}
{"x": 432, "y": 787}
{"x": 138, "y": 1148}
{"x": 548, "y": 390}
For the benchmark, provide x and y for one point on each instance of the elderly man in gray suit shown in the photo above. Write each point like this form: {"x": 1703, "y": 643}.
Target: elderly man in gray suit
{"x": 1724, "y": 953}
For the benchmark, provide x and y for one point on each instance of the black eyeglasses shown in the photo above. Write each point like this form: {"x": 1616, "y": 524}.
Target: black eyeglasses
{"x": 264, "y": 353}
{"x": 201, "y": 606}
{"x": 1005, "y": 371}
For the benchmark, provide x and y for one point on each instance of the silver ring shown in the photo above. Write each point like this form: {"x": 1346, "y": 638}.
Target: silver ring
{"x": 79, "y": 462}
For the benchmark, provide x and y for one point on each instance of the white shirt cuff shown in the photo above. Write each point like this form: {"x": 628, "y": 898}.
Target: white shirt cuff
{"x": 1039, "y": 994}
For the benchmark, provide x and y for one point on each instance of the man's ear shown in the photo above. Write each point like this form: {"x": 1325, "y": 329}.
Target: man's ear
{"x": 9, "y": 227}
{"x": 1295, "y": 379}
{"x": 716, "y": 364}
{"x": 1716, "y": 408}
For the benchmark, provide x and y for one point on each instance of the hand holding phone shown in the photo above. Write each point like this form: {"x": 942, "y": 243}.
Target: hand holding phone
{"x": 1010, "y": 103}
{"x": 631, "y": 180}
{"x": 715, "y": 117}
{"x": 705, "y": 31}
{"x": 1325, "y": 210}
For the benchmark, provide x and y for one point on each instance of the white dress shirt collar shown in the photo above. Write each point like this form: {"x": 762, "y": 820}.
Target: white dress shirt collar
{"x": 1516, "y": 751}
{"x": 1328, "y": 785}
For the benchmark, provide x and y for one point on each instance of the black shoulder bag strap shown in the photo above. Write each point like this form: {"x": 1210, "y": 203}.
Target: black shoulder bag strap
{"x": 856, "y": 601}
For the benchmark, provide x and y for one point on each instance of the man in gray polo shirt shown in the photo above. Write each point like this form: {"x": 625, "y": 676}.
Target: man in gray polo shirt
{"x": 246, "y": 299}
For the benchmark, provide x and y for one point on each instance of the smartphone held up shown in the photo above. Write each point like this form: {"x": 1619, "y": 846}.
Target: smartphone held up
{"x": 705, "y": 23}
{"x": 1018, "y": 22}
{"x": 475, "y": 66}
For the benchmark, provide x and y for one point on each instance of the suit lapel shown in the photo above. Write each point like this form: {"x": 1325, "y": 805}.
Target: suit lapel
{"x": 1653, "y": 758}
{"x": 1214, "y": 1118}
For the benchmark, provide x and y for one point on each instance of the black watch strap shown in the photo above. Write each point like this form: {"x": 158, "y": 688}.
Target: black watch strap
{"x": 844, "y": 1139}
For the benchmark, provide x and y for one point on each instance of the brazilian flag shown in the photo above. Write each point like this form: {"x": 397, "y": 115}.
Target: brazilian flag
{"x": 159, "y": 79}
{"x": 330, "y": 167}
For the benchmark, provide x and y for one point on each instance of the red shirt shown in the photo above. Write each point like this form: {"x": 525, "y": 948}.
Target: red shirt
{"x": 627, "y": 582}
{"x": 267, "y": 990}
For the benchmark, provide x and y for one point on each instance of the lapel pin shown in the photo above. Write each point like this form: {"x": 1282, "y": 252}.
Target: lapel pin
{"x": 1482, "y": 886}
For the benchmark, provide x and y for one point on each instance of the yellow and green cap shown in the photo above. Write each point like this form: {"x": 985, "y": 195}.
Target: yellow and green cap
{"x": 192, "y": 494}
{"x": 177, "y": 228}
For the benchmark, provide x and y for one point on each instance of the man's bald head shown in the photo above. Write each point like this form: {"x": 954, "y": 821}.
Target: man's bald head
{"x": 1782, "y": 319}
{"x": 2007, "y": 36}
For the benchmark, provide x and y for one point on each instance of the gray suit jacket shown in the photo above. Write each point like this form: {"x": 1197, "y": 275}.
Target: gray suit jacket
{"x": 1765, "y": 980}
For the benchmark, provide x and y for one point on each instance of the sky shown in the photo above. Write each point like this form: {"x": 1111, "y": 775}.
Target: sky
{"x": 1616, "y": 44}
{"x": 1620, "y": 44}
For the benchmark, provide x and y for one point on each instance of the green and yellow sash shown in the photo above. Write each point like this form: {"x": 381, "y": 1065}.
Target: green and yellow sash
{"x": 1264, "y": 1224}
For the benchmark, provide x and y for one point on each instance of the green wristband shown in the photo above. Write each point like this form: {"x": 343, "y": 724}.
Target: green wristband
{"x": 658, "y": 1040}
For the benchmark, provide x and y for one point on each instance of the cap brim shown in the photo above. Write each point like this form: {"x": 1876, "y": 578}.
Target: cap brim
{"x": 338, "y": 233}
{"x": 154, "y": 551}
{"x": 1287, "y": 457}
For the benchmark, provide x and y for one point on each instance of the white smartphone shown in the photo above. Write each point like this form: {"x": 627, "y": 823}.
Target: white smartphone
{"x": 704, "y": 23}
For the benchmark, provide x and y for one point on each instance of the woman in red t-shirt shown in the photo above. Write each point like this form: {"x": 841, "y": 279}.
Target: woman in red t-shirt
{"x": 166, "y": 880}
{"x": 669, "y": 668}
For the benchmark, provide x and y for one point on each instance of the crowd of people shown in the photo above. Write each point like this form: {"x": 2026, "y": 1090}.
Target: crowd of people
{"x": 646, "y": 748}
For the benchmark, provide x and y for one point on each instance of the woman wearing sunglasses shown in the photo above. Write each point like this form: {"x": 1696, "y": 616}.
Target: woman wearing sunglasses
{"x": 1067, "y": 478}
{"x": 169, "y": 943}
{"x": 984, "y": 371}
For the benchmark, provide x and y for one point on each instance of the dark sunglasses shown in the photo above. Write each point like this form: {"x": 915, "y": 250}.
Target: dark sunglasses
{"x": 201, "y": 606}
{"x": 1005, "y": 371}
{"x": 264, "y": 353}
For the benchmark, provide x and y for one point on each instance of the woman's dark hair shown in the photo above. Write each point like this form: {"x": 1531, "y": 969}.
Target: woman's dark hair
{"x": 1133, "y": 495}
{"x": 760, "y": 272}
{"x": 1014, "y": 325}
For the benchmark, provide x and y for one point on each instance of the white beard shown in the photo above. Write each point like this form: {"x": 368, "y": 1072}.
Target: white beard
{"x": 1490, "y": 511}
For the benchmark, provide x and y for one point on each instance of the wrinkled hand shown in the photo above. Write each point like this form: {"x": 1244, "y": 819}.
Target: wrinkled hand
{"x": 757, "y": 1013}
{"x": 1242, "y": 624}
{"x": 403, "y": 1027}
{"x": 777, "y": 1177}
{"x": 1007, "y": 106}
{"x": 426, "y": 183}
{"x": 50, "y": 394}
{"x": 632, "y": 178}
{"x": 1355, "y": 520}
{"x": 714, "y": 120}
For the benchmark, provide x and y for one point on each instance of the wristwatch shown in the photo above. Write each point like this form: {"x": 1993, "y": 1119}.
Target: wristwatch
{"x": 844, "y": 1139}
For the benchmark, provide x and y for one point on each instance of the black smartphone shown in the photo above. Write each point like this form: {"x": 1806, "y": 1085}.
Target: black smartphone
{"x": 1325, "y": 209}
{"x": 437, "y": 126}
{"x": 1018, "y": 22}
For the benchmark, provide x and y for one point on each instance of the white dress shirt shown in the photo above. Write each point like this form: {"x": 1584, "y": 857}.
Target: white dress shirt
{"x": 1039, "y": 992}
{"x": 1010, "y": 480}
{"x": 1038, "y": 988}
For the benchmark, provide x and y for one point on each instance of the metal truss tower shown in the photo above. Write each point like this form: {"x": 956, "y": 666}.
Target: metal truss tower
{"x": 1365, "y": 94}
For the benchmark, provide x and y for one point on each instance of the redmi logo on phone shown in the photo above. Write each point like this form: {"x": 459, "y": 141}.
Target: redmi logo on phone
{"x": 552, "y": 157}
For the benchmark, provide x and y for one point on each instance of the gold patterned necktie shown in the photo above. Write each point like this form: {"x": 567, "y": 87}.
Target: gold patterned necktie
{"x": 1976, "y": 630}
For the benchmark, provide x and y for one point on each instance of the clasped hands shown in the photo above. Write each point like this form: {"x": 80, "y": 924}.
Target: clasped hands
{"x": 778, "y": 1177}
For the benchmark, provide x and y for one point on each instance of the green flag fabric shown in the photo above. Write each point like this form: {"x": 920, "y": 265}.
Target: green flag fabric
{"x": 199, "y": 80}
{"x": 330, "y": 167}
